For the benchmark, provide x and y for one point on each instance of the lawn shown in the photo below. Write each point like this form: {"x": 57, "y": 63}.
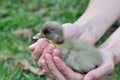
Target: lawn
{"x": 20, "y": 20}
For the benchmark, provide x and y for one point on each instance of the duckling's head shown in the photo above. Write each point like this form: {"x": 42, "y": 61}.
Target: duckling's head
{"x": 53, "y": 31}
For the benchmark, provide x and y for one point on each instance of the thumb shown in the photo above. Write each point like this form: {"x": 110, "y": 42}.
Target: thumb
{"x": 68, "y": 28}
{"x": 33, "y": 46}
{"x": 99, "y": 72}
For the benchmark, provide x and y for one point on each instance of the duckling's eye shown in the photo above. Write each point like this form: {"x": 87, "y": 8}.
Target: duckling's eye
{"x": 46, "y": 31}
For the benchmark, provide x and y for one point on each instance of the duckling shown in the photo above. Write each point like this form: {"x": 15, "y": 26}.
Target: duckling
{"x": 80, "y": 56}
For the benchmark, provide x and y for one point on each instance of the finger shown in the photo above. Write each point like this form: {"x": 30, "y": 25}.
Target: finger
{"x": 101, "y": 71}
{"x": 45, "y": 68}
{"x": 42, "y": 44}
{"x": 56, "y": 52}
{"x": 33, "y": 46}
{"x": 66, "y": 71}
{"x": 48, "y": 49}
{"x": 52, "y": 67}
{"x": 87, "y": 38}
{"x": 72, "y": 28}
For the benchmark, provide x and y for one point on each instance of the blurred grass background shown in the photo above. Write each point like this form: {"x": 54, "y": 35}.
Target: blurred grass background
{"x": 30, "y": 14}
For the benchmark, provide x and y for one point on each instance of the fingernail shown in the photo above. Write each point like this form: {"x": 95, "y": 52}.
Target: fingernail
{"x": 55, "y": 54}
{"x": 34, "y": 57}
{"x": 42, "y": 64}
{"x": 47, "y": 57}
{"x": 35, "y": 53}
{"x": 56, "y": 59}
{"x": 50, "y": 48}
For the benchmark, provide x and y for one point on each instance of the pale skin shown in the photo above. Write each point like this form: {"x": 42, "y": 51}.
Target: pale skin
{"x": 90, "y": 27}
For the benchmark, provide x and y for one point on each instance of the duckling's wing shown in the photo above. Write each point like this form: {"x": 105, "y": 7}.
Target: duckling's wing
{"x": 79, "y": 55}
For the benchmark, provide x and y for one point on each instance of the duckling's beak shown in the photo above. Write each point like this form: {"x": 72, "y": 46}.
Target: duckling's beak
{"x": 37, "y": 36}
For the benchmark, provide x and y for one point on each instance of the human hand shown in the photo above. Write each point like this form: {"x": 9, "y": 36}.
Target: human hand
{"x": 42, "y": 47}
{"x": 55, "y": 68}
{"x": 104, "y": 69}
{"x": 60, "y": 71}
{"x": 51, "y": 63}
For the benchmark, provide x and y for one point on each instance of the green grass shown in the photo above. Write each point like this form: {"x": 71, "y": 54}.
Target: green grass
{"x": 26, "y": 14}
